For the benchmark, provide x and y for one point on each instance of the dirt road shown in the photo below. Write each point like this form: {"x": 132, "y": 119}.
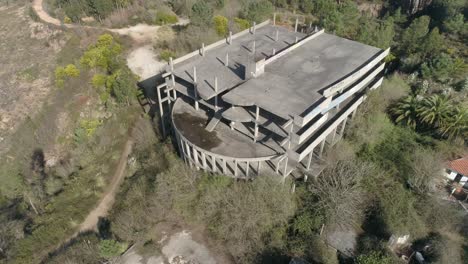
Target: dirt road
{"x": 105, "y": 204}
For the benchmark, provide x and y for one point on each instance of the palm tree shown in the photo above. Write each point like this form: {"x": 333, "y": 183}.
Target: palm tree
{"x": 406, "y": 111}
{"x": 435, "y": 110}
{"x": 457, "y": 126}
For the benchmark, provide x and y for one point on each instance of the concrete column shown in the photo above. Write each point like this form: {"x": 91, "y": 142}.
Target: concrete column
{"x": 277, "y": 166}
{"x": 161, "y": 113}
{"x": 309, "y": 161}
{"x": 333, "y": 135}
{"x": 173, "y": 87}
{"x": 226, "y": 63}
{"x": 258, "y": 167}
{"x": 247, "y": 169}
{"x": 203, "y": 156}
{"x": 224, "y": 166}
{"x": 171, "y": 63}
{"x": 213, "y": 163}
{"x": 285, "y": 166}
{"x": 254, "y": 27}
{"x": 322, "y": 146}
{"x": 195, "y": 158}
{"x": 276, "y": 35}
{"x": 257, "y": 113}
{"x": 253, "y": 47}
{"x": 296, "y": 24}
{"x": 296, "y": 39}
{"x": 235, "y": 167}
{"x": 189, "y": 156}
{"x": 230, "y": 38}
{"x": 290, "y": 134}
{"x": 343, "y": 124}
{"x": 203, "y": 49}
{"x": 274, "y": 19}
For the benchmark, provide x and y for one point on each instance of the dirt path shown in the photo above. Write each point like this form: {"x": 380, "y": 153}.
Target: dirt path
{"x": 140, "y": 33}
{"x": 103, "y": 207}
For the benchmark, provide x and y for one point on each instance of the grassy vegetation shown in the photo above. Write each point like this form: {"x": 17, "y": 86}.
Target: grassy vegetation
{"x": 49, "y": 201}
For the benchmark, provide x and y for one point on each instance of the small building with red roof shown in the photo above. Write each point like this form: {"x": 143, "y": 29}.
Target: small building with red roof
{"x": 457, "y": 171}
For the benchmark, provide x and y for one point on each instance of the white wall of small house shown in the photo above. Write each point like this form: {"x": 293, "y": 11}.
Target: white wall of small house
{"x": 453, "y": 174}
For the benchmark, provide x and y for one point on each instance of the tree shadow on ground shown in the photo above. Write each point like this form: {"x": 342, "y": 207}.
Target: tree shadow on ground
{"x": 375, "y": 234}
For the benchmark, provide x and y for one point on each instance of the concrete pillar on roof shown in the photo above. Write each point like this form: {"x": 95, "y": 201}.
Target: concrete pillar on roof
{"x": 296, "y": 24}
{"x": 216, "y": 93}
{"x": 274, "y": 19}
{"x": 253, "y": 47}
{"x": 230, "y": 37}
{"x": 195, "y": 87}
{"x": 296, "y": 39}
{"x": 203, "y": 49}
{"x": 171, "y": 63}
{"x": 274, "y": 52}
{"x": 226, "y": 63}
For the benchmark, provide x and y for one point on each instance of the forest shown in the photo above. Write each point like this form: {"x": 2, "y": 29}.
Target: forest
{"x": 382, "y": 179}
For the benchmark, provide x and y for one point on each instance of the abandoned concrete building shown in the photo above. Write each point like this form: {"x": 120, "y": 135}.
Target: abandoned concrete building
{"x": 266, "y": 100}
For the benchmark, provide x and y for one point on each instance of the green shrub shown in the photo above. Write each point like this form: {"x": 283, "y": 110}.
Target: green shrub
{"x": 242, "y": 23}
{"x": 163, "y": 18}
{"x": 99, "y": 80}
{"x": 257, "y": 11}
{"x": 167, "y": 54}
{"x": 109, "y": 248}
{"x": 62, "y": 72}
{"x": 103, "y": 54}
{"x": 86, "y": 129}
{"x": 67, "y": 20}
{"x": 202, "y": 13}
{"x": 221, "y": 25}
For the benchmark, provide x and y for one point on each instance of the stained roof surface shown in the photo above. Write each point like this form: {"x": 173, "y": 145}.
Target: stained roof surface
{"x": 290, "y": 84}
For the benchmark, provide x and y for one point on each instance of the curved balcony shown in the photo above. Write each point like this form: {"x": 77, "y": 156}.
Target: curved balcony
{"x": 225, "y": 150}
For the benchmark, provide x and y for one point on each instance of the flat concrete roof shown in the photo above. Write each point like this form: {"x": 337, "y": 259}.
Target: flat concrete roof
{"x": 211, "y": 65}
{"x": 292, "y": 83}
